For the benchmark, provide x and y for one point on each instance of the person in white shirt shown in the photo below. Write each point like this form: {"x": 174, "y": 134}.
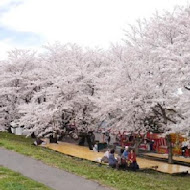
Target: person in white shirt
{"x": 184, "y": 146}
{"x": 106, "y": 156}
{"x": 95, "y": 148}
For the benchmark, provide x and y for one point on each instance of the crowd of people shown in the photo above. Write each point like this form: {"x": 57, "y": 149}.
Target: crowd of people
{"x": 126, "y": 159}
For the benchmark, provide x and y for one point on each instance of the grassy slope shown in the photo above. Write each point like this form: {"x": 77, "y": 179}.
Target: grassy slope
{"x": 117, "y": 179}
{"x": 10, "y": 180}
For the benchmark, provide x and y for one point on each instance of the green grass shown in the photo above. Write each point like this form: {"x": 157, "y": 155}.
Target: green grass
{"x": 148, "y": 180}
{"x": 10, "y": 180}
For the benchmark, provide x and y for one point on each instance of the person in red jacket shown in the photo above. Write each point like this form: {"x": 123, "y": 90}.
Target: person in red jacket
{"x": 132, "y": 160}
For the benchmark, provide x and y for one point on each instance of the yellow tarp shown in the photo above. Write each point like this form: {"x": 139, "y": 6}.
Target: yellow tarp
{"x": 85, "y": 153}
{"x": 166, "y": 156}
{"x": 76, "y": 151}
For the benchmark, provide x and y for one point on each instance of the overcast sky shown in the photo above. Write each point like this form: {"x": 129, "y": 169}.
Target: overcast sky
{"x": 32, "y": 23}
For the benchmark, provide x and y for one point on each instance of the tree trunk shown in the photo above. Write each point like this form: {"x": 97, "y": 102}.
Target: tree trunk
{"x": 138, "y": 141}
{"x": 136, "y": 147}
{"x": 169, "y": 145}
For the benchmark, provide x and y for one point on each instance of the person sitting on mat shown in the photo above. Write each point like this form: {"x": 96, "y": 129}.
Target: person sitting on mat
{"x": 111, "y": 160}
{"x": 122, "y": 164}
{"x": 132, "y": 160}
{"x": 106, "y": 156}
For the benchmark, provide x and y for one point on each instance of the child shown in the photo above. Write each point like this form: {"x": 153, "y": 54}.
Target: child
{"x": 95, "y": 148}
{"x": 121, "y": 160}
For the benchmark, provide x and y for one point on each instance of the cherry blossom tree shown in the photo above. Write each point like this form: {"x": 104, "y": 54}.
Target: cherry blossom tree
{"x": 129, "y": 87}
{"x": 161, "y": 51}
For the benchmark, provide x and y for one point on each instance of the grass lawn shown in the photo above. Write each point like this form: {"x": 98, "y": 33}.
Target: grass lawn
{"x": 122, "y": 180}
{"x": 10, "y": 180}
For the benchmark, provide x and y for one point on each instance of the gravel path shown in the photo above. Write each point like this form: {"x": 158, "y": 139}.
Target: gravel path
{"x": 52, "y": 177}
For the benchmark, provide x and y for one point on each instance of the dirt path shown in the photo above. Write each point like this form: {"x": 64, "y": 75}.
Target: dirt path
{"x": 52, "y": 177}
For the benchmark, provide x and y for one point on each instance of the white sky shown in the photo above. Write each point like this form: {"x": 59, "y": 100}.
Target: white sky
{"x": 85, "y": 22}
